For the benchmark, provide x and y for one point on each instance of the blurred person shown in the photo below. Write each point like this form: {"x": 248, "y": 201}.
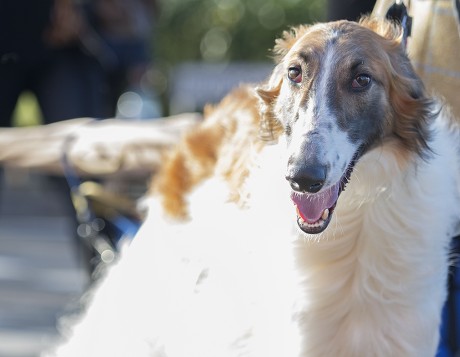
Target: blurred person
{"x": 76, "y": 57}
{"x": 41, "y": 51}
{"x": 126, "y": 27}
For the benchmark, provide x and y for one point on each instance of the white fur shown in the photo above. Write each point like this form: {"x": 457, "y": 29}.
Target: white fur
{"x": 237, "y": 282}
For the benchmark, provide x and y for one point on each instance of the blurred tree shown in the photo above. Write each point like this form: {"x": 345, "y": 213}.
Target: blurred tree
{"x": 227, "y": 30}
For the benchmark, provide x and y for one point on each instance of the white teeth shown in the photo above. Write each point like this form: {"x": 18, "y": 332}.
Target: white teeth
{"x": 318, "y": 223}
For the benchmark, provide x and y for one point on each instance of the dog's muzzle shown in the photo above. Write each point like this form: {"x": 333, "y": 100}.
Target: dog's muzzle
{"x": 314, "y": 202}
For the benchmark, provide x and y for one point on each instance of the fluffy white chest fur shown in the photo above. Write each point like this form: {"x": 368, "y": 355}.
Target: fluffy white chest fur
{"x": 246, "y": 282}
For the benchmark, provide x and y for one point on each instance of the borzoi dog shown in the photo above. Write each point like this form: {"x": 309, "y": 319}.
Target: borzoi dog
{"x": 307, "y": 216}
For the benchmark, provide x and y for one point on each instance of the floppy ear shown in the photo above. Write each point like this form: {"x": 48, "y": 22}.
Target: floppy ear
{"x": 387, "y": 29}
{"x": 270, "y": 126}
{"x": 412, "y": 107}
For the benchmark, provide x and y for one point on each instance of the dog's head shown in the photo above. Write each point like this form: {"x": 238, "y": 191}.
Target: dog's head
{"x": 338, "y": 90}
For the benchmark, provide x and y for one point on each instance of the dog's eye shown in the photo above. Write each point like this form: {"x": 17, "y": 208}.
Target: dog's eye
{"x": 361, "y": 81}
{"x": 295, "y": 74}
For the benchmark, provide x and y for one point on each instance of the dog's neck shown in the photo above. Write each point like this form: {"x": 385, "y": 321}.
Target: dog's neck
{"x": 365, "y": 269}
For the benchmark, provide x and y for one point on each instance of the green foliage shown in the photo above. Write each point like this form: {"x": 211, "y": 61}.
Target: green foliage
{"x": 227, "y": 30}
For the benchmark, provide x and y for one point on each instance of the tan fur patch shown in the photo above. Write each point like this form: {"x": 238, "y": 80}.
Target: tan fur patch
{"x": 219, "y": 146}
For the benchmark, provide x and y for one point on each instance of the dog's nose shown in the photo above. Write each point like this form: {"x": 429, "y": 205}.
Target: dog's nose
{"x": 307, "y": 179}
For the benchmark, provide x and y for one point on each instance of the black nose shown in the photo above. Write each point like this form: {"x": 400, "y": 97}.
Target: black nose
{"x": 307, "y": 179}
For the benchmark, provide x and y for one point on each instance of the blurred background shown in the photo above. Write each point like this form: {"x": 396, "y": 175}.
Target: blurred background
{"x": 155, "y": 49}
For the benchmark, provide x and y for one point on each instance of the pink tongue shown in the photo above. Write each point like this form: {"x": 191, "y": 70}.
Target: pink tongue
{"x": 310, "y": 207}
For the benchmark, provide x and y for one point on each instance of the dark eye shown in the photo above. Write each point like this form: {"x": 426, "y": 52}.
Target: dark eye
{"x": 295, "y": 74}
{"x": 361, "y": 81}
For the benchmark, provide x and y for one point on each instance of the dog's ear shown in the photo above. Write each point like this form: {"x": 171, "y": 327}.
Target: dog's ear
{"x": 387, "y": 29}
{"x": 412, "y": 107}
{"x": 270, "y": 127}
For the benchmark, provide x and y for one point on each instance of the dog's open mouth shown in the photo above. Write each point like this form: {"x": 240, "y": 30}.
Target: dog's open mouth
{"x": 314, "y": 210}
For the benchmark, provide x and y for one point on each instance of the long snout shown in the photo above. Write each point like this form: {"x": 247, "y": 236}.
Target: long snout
{"x": 307, "y": 167}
